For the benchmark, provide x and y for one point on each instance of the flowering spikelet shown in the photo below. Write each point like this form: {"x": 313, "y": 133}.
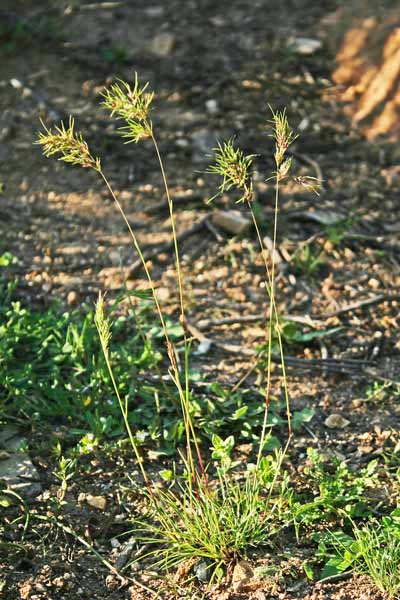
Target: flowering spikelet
{"x": 233, "y": 166}
{"x": 102, "y": 325}
{"x": 70, "y": 145}
{"x": 284, "y": 136}
{"x": 131, "y": 105}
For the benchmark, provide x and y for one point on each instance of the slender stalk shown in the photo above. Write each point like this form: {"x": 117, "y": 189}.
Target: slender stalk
{"x": 171, "y": 352}
{"x": 182, "y": 307}
{"x": 124, "y": 411}
{"x": 142, "y": 334}
{"x": 273, "y": 317}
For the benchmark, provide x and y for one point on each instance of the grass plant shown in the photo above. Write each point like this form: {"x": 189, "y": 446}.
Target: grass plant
{"x": 202, "y": 514}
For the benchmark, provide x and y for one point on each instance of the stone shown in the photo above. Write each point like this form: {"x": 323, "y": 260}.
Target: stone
{"x": 336, "y": 421}
{"x": 212, "y": 106}
{"x": 305, "y": 46}
{"x": 125, "y": 196}
{"x": 323, "y": 217}
{"x": 16, "y": 468}
{"x": 162, "y": 44}
{"x": 231, "y": 221}
{"x": 202, "y": 571}
{"x": 98, "y": 502}
{"x": 273, "y": 252}
{"x": 203, "y": 347}
{"x": 241, "y": 576}
{"x": 163, "y": 294}
{"x": 154, "y": 11}
{"x": 72, "y": 298}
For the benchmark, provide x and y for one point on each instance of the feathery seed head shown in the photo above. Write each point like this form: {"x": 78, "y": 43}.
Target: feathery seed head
{"x": 311, "y": 184}
{"x": 69, "y": 145}
{"x": 233, "y": 166}
{"x": 284, "y": 136}
{"x": 131, "y": 104}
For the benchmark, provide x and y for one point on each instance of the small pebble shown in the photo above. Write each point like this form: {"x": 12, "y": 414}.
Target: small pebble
{"x": 72, "y": 297}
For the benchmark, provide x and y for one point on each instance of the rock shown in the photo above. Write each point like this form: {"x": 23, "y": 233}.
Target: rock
{"x": 203, "y": 347}
{"x": 212, "y": 107}
{"x": 162, "y": 44}
{"x": 323, "y": 217}
{"x": 6, "y": 434}
{"x": 241, "y": 576}
{"x": 124, "y": 555}
{"x": 274, "y": 253}
{"x": 125, "y": 196}
{"x": 98, "y": 502}
{"x": 202, "y": 571}
{"x": 304, "y": 124}
{"x": 218, "y": 21}
{"x": 163, "y": 294}
{"x": 6, "y": 125}
{"x": 17, "y": 469}
{"x": 374, "y": 283}
{"x": 72, "y": 297}
{"x": 391, "y": 175}
{"x": 154, "y": 11}
{"x": 25, "y": 590}
{"x": 336, "y": 421}
{"x": 230, "y": 220}
{"x": 305, "y": 46}
{"x": 115, "y": 258}
{"x": 24, "y": 185}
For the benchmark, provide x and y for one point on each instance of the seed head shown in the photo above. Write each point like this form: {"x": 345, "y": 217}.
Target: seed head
{"x": 233, "y": 166}
{"x": 283, "y": 135}
{"x": 312, "y": 184}
{"x": 102, "y": 324}
{"x": 69, "y": 145}
{"x": 131, "y": 105}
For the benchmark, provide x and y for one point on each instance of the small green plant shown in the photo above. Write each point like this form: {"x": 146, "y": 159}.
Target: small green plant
{"x": 65, "y": 471}
{"x": 377, "y": 553}
{"x": 40, "y": 350}
{"x": 379, "y": 391}
{"x": 13, "y": 34}
{"x": 373, "y": 549}
{"x": 338, "y": 491}
{"x": 308, "y": 261}
{"x": 115, "y": 55}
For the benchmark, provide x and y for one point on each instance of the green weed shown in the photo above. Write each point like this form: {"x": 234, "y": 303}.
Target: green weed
{"x": 337, "y": 490}
{"x": 308, "y": 261}
{"x": 373, "y": 549}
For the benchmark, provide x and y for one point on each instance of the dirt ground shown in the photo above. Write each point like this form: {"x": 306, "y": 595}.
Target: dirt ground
{"x": 215, "y": 66}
